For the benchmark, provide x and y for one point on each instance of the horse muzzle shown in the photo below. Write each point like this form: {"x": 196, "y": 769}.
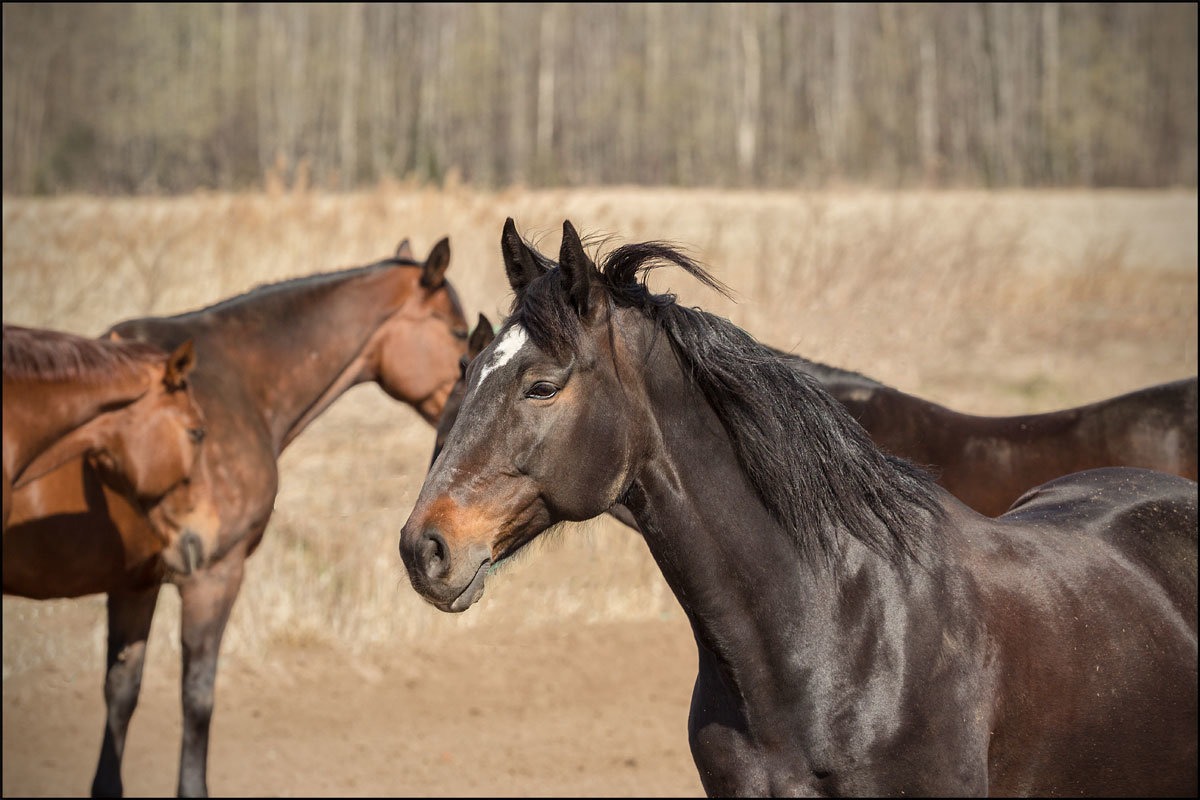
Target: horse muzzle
{"x": 187, "y": 554}
{"x": 451, "y": 581}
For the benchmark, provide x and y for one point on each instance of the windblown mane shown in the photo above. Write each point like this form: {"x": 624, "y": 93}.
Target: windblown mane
{"x": 812, "y": 464}
{"x": 45, "y": 355}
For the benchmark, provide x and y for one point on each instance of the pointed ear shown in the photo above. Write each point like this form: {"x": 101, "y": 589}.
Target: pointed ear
{"x": 179, "y": 364}
{"x": 578, "y": 272}
{"x": 404, "y": 252}
{"x": 519, "y": 263}
{"x": 433, "y": 274}
{"x": 481, "y": 337}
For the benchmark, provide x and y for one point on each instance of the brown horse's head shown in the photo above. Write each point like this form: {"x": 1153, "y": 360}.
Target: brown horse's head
{"x": 152, "y": 452}
{"x": 481, "y": 337}
{"x": 416, "y": 351}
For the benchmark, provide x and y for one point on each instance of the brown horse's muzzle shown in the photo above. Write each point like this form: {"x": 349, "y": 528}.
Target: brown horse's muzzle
{"x": 193, "y": 538}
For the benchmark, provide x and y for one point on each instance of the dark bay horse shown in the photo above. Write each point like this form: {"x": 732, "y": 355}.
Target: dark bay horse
{"x": 271, "y": 361}
{"x": 128, "y": 407}
{"x": 988, "y": 462}
{"x": 860, "y": 631}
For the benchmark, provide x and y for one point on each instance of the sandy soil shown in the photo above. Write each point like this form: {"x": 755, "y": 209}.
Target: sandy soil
{"x": 593, "y": 710}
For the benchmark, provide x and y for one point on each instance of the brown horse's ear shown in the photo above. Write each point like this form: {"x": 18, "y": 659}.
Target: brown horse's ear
{"x": 179, "y": 364}
{"x": 404, "y": 252}
{"x": 578, "y": 271}
{"x": 481, "y": 337}
{"x": 433, "y": 274}
{"x": 520, "y": 265}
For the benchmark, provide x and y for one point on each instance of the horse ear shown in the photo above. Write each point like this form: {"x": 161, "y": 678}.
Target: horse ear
{"x": 433, "y": 274}
{"x": 481, "y": 337}
{"x": 520, "y": 265}
{"x": 179, "y": 364}
{"x": 404, "y": 252}
{"x": 579, "y": 273}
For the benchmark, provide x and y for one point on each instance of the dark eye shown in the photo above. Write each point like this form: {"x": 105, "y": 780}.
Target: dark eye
{"x": 196, "y": 435}
{"x": 461, "y": 334}
{"x": 542, "y": 391}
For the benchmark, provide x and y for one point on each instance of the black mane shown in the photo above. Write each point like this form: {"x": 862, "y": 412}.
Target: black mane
{"x": 812, "y": 464}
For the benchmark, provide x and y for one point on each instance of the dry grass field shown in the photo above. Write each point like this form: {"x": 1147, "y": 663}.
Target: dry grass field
{"x": 988, "y": 302}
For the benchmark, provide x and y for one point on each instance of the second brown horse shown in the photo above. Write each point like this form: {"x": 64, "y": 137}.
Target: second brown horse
{"x": 270, "y": 361}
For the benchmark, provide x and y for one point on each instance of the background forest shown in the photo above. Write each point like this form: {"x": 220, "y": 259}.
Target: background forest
{"x": 171, "y": 97}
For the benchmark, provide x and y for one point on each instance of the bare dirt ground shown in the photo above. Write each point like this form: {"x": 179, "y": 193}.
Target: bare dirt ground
{"x": 573, "y": 675}
{"x": 590, "y": 710}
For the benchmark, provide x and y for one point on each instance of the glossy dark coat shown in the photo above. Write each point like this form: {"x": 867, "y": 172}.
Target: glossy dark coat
{"x": 859, "y": 630}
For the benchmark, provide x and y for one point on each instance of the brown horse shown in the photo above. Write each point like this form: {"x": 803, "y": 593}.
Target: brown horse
{"x": 271, "y": 361}
{"x": 128, "y": 407}
{"x": 988, "y": 462}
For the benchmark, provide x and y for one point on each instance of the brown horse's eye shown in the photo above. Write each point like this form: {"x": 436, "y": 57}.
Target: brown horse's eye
{"x": 542, "y": 391}
{"x": 196, "y": 435}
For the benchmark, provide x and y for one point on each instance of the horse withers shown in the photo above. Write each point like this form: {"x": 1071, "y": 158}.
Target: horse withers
{"x": 128, "y": 408}
{"x": 860, "y": 631}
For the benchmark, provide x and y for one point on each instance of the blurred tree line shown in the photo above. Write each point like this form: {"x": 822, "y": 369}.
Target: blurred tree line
{"x": 135, "y": 98}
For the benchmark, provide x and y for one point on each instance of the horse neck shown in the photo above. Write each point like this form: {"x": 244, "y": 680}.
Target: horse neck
{"x": 42, "y": 412}
{"x": 296, "y": 358}
{"x": 753, "y": 601}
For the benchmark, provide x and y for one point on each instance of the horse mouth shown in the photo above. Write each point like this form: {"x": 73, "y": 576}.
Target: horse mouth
{"x": 471, "y": 593}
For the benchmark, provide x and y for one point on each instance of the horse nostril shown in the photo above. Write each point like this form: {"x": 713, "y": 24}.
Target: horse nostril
{"x": 193, "y": 552}
{"x": 434, "y": 554}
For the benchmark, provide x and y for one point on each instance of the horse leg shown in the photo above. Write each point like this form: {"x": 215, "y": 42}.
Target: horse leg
{"x": 129, "y": 615}
{"x": 207, "y": 598}
{"x": 728, "y": 762}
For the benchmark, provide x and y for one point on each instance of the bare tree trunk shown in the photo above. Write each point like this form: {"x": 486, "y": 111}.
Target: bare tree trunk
{"x": 750, "y": 63}
{"x": 348, "y": 127}
{"x": 1050, "y": 91}
{"x": 927, "y": 102}
{"x": 545, "y": 88}
{"x": 653, "y": 119}
{"x": 229, "y": 94}
{"x": 843, "y": 41}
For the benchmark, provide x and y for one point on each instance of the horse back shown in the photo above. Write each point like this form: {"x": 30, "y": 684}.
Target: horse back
{"x": 1088, "y": 587}
{"x": 1146, "y": 516}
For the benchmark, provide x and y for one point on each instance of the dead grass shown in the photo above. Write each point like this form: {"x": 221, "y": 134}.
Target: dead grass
{"x": 990, "y": 302}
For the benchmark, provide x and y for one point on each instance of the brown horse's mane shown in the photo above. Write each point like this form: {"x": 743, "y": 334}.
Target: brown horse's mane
{"x": 38, "y": 354}
{"x": 293, "y": 292}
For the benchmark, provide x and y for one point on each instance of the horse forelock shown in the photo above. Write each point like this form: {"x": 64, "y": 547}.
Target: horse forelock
{"x": 811, "y": 463}
{"x": 46, "y": 355}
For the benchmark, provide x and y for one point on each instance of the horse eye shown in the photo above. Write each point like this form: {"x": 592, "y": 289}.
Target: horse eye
{"x": 196, "y": 435}
{"x": 542, "y": 391}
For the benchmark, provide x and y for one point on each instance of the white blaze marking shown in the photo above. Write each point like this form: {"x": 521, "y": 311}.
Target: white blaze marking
{"x": 509, "y": 345}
